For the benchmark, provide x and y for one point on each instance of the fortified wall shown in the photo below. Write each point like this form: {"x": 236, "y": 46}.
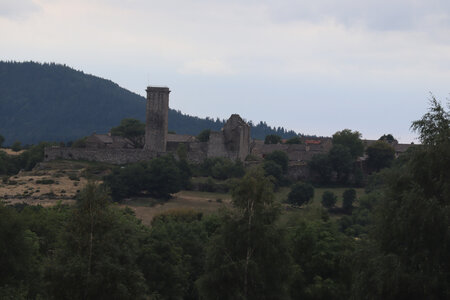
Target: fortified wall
{"x": 233, "y": 141}
{"x": 108, "y": 155}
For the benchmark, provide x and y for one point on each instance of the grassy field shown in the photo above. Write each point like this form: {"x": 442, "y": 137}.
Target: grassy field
{"x": 146, "y": 209}
{"x": 52, "y": 182}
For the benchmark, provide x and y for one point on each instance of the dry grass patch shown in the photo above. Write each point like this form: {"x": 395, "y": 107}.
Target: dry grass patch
{"x": 146, "y": 209}
{"x": 11, "y": 152}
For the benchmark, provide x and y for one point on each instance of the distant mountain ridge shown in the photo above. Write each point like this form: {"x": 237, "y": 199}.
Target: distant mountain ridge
{"x": 53, "y": 102}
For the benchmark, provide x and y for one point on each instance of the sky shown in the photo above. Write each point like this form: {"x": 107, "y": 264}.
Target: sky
{"x": 315, "y": 67}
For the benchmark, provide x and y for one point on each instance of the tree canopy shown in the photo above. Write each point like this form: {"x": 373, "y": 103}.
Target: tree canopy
{"x": 133, "y": 130}
{"x": 408, "y": 249}
{"x": 272, "y": 139}
{"x": 379, "y": 155}
{"x": 351, "y": 140}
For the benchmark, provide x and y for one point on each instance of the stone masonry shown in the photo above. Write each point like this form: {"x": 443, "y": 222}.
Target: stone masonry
{"x": 157, "y": 112}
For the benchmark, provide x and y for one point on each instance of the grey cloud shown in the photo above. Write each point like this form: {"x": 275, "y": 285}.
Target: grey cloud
{"x": 17, "y": 8}
{"x": 373, "y": 14}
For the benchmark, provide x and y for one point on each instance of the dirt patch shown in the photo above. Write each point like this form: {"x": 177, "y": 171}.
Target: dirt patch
{"x": 47, "y": 184}
{"x": 50, "y": 183}
{"x": 11, "y": 152}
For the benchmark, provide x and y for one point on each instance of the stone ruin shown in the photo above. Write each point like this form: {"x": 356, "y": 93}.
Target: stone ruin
{"x": 233, "y": 141}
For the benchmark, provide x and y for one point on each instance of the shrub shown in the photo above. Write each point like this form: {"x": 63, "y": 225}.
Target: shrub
{"x": 301, "y": 193}
{"x": 272, "y": 139}
{"x": 45, "y": 181}
{"x": 328, "y": 199}
{"x": 157, "y": 178}
{"x": 16, "y": 146}
{"x": 273, "y": 169}
{"x": 280, "y": 158}
{"x": 294, "y": 140}
{"x": 80, "y": 143}
{"x": 204, "y": 135}
{"x": 349, "y": 196}
{"x": 221, "y": 168}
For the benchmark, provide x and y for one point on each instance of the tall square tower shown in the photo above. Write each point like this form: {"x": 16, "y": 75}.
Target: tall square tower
{"x": 157, "y": 115}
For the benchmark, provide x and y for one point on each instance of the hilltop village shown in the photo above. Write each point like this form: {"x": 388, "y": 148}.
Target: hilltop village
{"x": 233, "y": 142}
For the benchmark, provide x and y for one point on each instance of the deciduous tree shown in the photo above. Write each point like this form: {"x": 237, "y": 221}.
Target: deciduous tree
{"x": 133, "y": 130}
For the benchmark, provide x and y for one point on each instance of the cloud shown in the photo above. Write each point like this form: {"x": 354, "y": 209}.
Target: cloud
{"x": 324, "y": 52}
{"x": 372, "y": 14}
{"x": 17, "y": 8}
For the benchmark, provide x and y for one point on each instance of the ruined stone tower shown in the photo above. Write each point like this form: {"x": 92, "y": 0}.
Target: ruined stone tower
{"x": 237, "y": 137}
{"x": 157, "y": 119}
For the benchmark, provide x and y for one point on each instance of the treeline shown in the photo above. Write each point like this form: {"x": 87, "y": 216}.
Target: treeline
{"x": 53, "y": 102}
{"x": 393, "y": 245}
{"x": 96, "y": 250}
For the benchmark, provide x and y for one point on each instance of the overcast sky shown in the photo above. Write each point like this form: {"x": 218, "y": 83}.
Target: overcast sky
{"x": 312, "y": 66}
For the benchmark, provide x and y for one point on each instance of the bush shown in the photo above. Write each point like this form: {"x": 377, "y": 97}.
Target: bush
{"x": 273, "y": 169}
{"x": 272, "y": 139}
{"x": 294, "y": 140}
{"x": 204, "y": 135}
{"x": 80, "y": 143}
{"x": 157, "y": 178}
{"x": 328, "y": 199}
{"x": 280, "y": 158}
{"x": 16, "y": 146}
{"x": 301, "y": 193}
{"x": 221, "y": 168}
{"x": 45, "y": 181}
{"x": 349, "y": 196}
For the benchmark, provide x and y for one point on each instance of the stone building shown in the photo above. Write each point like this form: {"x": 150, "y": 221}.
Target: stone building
{"x": 233, "y": 141}
{"x": 156, "y": 125}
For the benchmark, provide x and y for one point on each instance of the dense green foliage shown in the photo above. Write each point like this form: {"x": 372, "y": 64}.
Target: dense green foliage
{"x": 379, "y": 155}
{"x": 203, "y": 136}
{"x": 220, "y": 168}
{"x": 348, "y": 198}
{"x": 322, "y": 259}
{"x": 409, "y": 246}
{"x": 351, "y": 140}
{"x": 389, "y": 138}
{"x": 248, "y": 257}
{"x": 51, "y": 102}
{"x": 98, "y": 252}
{"x": 294, "y": 140}
{"x": 157, "y": 178}
{"x": 133, "y": 130}
{"x": 276, "y": 165}
{"x": 280, "y": 158}
{"x": 12, "y": 164}
{"x": 300, "y": 194}
{"x": 340, "y": 161}
{"x": 329, "y": 199}
{"x": 272, "y": 139}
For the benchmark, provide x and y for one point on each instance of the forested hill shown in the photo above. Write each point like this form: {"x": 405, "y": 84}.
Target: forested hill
{"x": 52, "y": 102}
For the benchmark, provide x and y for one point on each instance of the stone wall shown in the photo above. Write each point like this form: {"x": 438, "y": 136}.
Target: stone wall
{"x": 112, "y": 156}
{"x": 216, "y": 145}
{"x": 295, "y": 152}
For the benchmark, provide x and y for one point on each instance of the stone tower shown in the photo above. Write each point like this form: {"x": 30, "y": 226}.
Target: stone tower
{"x": 157, "y": 119}
{"x": 237, "y": 137}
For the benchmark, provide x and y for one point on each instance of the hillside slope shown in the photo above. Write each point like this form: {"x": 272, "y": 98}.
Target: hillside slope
{"x": 52, "y": 102}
